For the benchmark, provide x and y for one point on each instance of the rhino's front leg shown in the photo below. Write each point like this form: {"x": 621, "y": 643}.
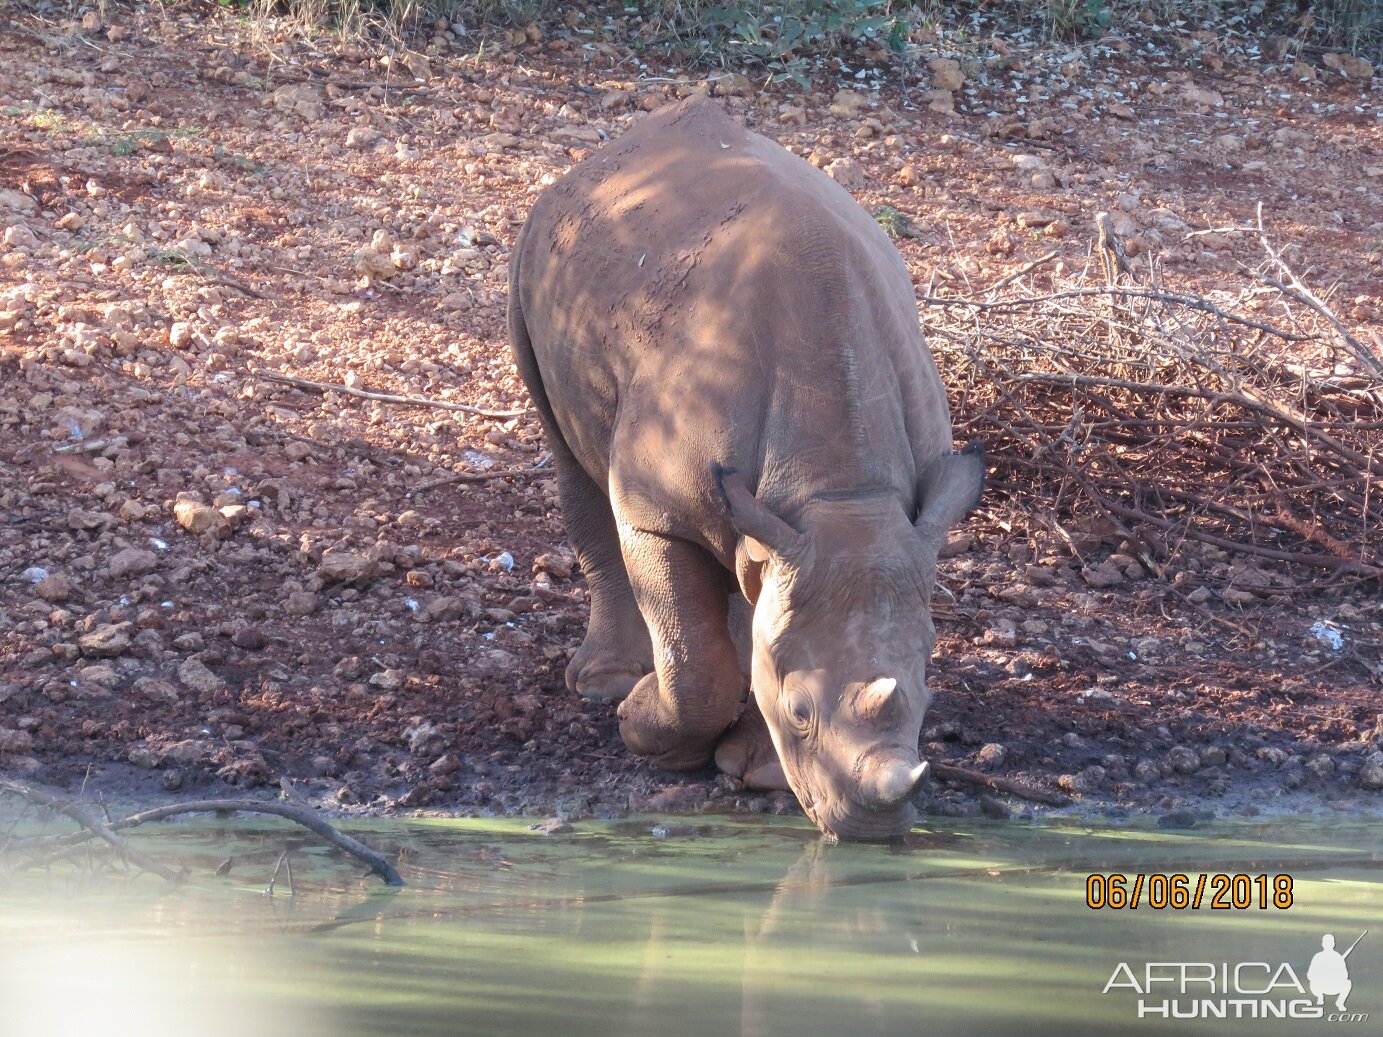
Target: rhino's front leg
{"x": 615, "y": 652}
{"x": 676, "y": 714}
{"x": 747, "y": 752}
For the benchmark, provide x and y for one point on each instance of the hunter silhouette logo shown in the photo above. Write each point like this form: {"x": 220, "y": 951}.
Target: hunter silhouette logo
{"x": 1329, "y": 975}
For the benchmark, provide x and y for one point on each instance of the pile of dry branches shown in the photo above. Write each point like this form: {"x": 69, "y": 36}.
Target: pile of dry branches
{"x": 1248, "y": 424}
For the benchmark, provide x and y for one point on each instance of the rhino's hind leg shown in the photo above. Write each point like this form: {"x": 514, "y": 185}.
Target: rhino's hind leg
{"x": 747, "y": 752}
{"x": 676, "y": 714}
{"x": 616, "y": 651}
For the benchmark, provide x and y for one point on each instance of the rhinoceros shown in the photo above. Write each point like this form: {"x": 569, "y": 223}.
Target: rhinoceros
{"x": 723, "y": 348}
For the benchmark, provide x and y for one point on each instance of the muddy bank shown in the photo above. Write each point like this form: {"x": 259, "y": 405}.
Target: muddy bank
{"x": 212, "y": 579}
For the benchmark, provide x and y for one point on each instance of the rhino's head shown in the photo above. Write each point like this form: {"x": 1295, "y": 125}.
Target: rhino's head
{"x": 842, "y": 635}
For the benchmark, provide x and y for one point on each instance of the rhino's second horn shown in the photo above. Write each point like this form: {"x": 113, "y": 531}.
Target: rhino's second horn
{"x": 893, "y": 781}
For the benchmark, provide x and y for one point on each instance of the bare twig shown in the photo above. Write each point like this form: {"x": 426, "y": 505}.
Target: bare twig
{"x": 269, "y": 889}
{"x": 1228, "y": 624}
{"x": 1249, "y": 400}
{"x": 1294, "y": 287}
{"x": 1111, "y": 251}
{"x": 285, "y": 862}
{"x": 9, "y": 836}
{"x": 239, "y": 286}
{"x": 1194, "y": 302}
{"x": 296, "y": 272}
{"x": 215, "y": 276}
{"x": 1008, "y": 279}
{"x": 309, "y": 819}
{"x": 5, "y": 156}
{"x": 305, "y": 816}
{"x": 410, "y": 401}
{"x": 1320, "y": 561}
{"x": 1219, "y": 230}
{"x": 1190, "y": 426}
{"x": 539, "y": 468}
{"x": 90, "y": 823}
{"x": 952, "y": 773}
{"x": 90, "y": 446}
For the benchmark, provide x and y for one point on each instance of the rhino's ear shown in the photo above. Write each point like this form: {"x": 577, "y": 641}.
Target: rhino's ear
{"x": 949, "y": 488}
{"x": 764, "y": 532}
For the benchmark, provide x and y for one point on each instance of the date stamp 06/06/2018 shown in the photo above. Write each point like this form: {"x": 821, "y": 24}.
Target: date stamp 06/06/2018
{"x": 1178, "y": 891}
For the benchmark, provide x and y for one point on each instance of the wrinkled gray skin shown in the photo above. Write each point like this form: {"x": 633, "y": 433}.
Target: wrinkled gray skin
{"x": 723, "y": 348}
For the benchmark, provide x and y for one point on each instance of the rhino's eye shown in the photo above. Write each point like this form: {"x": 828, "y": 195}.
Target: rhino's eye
{"x": 798, "y": 706}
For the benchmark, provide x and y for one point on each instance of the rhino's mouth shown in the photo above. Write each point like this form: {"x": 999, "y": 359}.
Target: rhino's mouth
{"x": 843, "y": 814}
{"x": 854, "y": 822}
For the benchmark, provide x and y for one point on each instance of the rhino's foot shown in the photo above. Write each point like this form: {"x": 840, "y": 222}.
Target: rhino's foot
{"x": 747, "y": 752}
{"x": 601, "y": 681}
{"x": 601, "y": 672}
{"x": 648, "y": 731}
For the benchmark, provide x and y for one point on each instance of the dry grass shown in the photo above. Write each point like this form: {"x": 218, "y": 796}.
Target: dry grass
{"x": 700, "y": 25}
{"x": 1353, "y": 25}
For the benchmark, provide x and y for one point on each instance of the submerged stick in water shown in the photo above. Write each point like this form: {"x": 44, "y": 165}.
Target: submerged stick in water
{"x": 305, "y": 816}
{"x": 94, "y": 827}
{"x": 90, "y": 822}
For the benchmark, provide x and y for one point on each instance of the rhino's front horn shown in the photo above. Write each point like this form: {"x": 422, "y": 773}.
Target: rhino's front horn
{"x": 892, "y": 782}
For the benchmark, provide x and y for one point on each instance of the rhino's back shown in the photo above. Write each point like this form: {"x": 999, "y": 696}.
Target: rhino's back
{"x": 694, "y": 284}
{"x": 684, "y": 202}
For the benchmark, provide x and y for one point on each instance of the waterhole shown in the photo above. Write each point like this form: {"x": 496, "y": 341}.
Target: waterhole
{"x": 705, "y": 926}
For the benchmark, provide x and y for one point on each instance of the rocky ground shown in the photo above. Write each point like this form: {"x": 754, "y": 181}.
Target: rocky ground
{"x": 211, "y": 577}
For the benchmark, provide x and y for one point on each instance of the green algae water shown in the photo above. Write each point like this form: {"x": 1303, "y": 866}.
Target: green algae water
{"x": 708, "y": 926}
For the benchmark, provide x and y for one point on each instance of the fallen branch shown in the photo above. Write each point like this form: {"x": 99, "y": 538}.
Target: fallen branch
{"x": 297, "y": 273}
{"x": 212, "y": 276}
{"x": 305, "y": 816}
{"x": 90, "y": 822}
{"x": 1233, "y": 627}
{"x": 5, "y": 156}
{"x": 950, "y": 772}
{"x": 408, "y": 401}
{"x": 91, "y": 446}
{"x": 539, "y": 468}
{"x": 405, "y": 83}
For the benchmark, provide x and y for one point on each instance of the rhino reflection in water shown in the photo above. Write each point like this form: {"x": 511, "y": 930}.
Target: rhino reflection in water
{"x": 807, "y": 930}
{"x": 724, "y": 351}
